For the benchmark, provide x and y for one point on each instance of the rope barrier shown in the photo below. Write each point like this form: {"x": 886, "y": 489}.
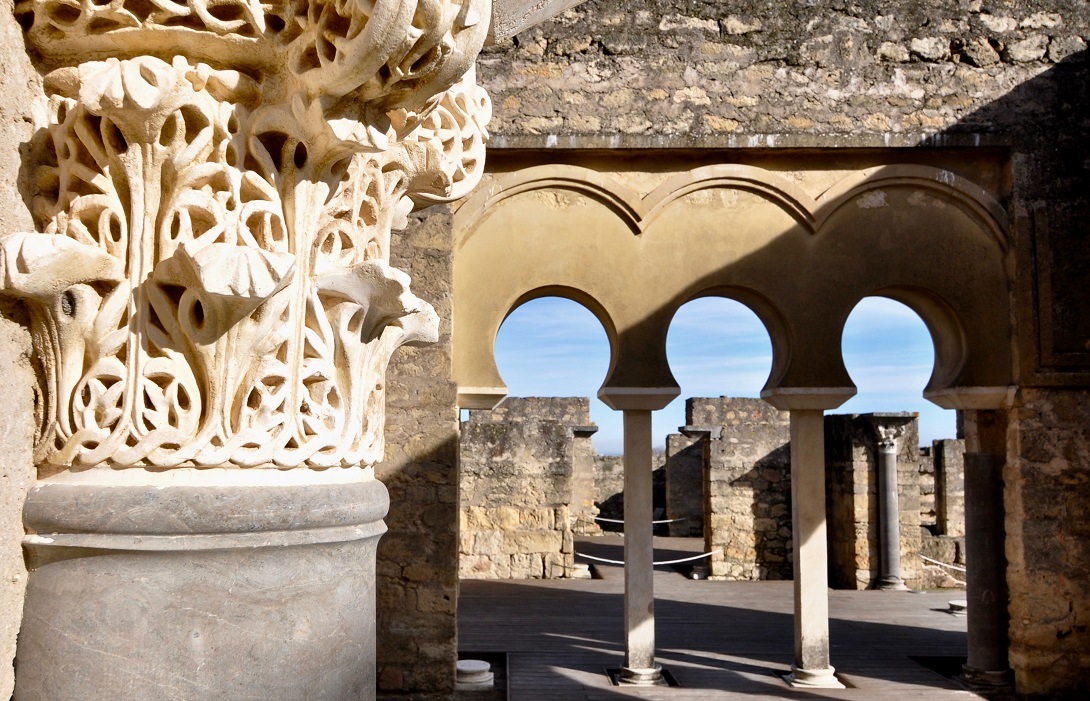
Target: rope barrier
{"x": 598, "y": 518}
{"x": 662, "y": 562}
{"x": 942, "y": 564}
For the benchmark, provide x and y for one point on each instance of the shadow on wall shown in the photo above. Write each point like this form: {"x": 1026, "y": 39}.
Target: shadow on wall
{"x": 417, "y": 571}
{"x": 612, "y": 505}
{"x": 1044, "y": 121}
{"x": 770, "y": 484}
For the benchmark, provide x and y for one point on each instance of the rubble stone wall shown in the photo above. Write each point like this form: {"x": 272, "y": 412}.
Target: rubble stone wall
{"x": 1047, "y": 511}
{"x": 417, "y": 566}
{"x": 22, "y": 111}
{"x": 517, "y": 463}
{"x": 852, "y": 509}
{"x": 748, "y": 487}
{"x": 643, "y": 68}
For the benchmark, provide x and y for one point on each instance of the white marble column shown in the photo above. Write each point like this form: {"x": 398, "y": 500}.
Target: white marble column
{"x": 812, "y": 667}
{"x": 639, "y": 588}
{"x": 638, "y": 403}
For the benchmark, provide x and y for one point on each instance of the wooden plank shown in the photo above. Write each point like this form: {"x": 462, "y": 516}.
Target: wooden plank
{"x": 724, "y": 641}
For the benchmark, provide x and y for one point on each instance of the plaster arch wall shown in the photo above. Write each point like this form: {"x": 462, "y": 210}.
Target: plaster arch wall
{"x": 799, "y": 256}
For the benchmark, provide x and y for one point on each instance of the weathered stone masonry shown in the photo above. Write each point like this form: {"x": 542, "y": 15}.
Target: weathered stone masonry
{"x": 1004, "y": 75}
{"x": 517, "y": 465}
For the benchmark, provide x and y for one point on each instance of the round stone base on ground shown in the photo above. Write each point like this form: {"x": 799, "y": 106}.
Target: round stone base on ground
{"x": 651, "y": 676}
{"x": 813, "y": 678}
{"x": 985, "y": 680}
{"x": 473, "y": 675}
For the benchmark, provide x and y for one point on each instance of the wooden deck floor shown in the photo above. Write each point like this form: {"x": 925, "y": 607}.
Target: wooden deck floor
{"x": 721, "y": 640}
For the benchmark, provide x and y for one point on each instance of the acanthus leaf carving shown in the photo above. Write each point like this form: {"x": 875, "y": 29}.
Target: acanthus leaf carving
{"x": 211, "y": 279}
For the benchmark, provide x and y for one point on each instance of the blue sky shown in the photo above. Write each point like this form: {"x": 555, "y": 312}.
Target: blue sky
{"x": 554, "y": 347}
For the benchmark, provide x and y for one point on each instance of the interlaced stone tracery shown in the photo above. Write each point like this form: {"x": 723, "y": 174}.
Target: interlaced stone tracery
{"x": 210, "y": 284}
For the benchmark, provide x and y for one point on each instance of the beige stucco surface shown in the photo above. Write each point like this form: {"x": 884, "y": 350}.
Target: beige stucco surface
{"x": 800, "y": 247}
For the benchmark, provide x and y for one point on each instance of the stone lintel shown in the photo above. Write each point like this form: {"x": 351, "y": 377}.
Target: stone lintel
{"x": 807, "y": 398}
{"x": 638, "y": 398}
{"x": 713, "y": 432}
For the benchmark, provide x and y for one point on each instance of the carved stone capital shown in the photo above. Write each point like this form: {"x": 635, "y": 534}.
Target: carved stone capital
{"x": 210, "y": 281}
{"x": 888, "y": 428}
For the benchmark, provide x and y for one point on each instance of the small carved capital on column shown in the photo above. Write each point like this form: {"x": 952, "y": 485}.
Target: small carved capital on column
{"x": 888, "y": 428}
{"x": 210, "y": 282}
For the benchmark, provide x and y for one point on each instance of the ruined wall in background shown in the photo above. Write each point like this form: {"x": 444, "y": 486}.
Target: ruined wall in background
{"x": 851, "y": 484}
{"x": 1009, "y": 75}
{"x": 685, "y": 458}
{"x": 22, "y": 109}
{"x": 948, "y": 457}
{"x": 417, "y": 580}
{"x": 584, "y": 505}
{"x": 942, "y": 469}
{"x": 517, "y": 463}
{"x": 747, "y": 487}
{"x": 609, "y": 483}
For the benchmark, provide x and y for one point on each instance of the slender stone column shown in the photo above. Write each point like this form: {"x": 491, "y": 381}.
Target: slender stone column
{"x": 637, "y": 403}
{"x": 639, "y": 592}
{"x": 888, "y": 428}
{"x": 812, "y": 666}
{"x": 889, "y": 510}
{"x": 986, "y": 586}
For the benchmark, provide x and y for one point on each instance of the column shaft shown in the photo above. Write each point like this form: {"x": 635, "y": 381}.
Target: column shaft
{"x": 639, "y": 596}
{"x": 986, "y": 587}
{"x": 889, "y": 519}
{"x": 811, "y": 666}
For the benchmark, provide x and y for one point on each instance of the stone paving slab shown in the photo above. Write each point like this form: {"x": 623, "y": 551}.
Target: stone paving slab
{"x": 722, "y": 640}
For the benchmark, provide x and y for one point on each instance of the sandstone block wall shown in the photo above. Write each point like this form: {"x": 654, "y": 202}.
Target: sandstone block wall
{"x": 417, "y": 566}
{"x": 609, "y": 484}
{"x": 685, "y": 458}
{"x": 851, "y": 484}
{"x": 585, "y": 498}
{"x": 747, "y": 487}
{"x": 517, "y": 465}
{"x": 1047, "y": 511}
{"x": 948, "y": 457}
{"x": 926, "y": 479}
{"x": 22, "y": 110}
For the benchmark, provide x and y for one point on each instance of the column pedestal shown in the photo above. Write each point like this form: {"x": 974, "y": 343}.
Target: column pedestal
{"x": 201, "y": 584}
